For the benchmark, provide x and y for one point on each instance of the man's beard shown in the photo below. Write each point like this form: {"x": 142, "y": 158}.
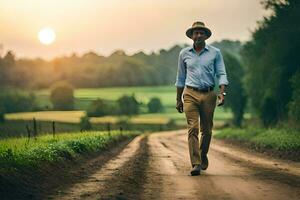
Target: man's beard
{"x": 198, "y": 42}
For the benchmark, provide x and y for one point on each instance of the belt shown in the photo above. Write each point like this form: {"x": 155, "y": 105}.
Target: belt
{"x": 201, "y": 89}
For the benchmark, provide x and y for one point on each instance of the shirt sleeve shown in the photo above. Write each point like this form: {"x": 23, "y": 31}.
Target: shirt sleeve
{"x": 181, "y": 72}
{"x": 220, "y": 69}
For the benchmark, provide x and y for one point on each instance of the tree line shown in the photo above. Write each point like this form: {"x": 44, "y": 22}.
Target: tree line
{"x": 91, "y": 70}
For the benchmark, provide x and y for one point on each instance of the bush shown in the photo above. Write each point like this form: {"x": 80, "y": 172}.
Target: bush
{"x": 12, "y": 100}
{"x": 85, "y": 123}
{"x": 101, "y": 107}
{"x": 155, "y": 105}
{"x": 128, "y": 105}
{"x": 62, "y": 96}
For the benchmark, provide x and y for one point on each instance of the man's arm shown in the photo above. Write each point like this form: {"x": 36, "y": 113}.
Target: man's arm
{"x": 180, "y": 82}
{"x": 179, "y": 93}
{"x": 222, "y": 77}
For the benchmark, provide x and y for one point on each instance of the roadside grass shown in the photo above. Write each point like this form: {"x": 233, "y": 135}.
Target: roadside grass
{"x": 19, "y": 153}
{"x": 277, "y": 139}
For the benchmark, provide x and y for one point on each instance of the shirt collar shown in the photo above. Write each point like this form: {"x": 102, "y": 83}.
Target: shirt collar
{"x": 192, "y": 48}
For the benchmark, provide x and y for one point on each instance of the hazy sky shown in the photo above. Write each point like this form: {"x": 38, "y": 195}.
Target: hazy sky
{"x": 106, "y": 25}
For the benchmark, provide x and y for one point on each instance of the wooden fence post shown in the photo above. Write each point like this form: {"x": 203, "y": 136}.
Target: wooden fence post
{"x": 53, "y": 128}
{"x": 108, "y": 129}
{"x": 28, "y": 132}
{"x": 34, "y": 128}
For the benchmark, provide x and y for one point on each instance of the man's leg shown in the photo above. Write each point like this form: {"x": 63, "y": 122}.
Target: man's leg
{"x": 191, "y": 110}
{"x": 206, "y": 121}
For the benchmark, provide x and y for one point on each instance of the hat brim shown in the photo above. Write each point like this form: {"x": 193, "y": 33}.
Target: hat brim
{"x": 189, "y": 32}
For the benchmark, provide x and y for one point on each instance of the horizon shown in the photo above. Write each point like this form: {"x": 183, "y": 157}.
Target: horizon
{"x": 2, "y": 54}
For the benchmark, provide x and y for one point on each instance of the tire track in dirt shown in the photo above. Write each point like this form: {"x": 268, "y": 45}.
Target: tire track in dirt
{"x": 119, "y": 178}
{"x": 173, "y": 166}
{"x": 231, "y": 179}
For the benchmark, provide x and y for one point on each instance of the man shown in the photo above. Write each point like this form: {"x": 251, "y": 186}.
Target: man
{"x": 197, "y": 67}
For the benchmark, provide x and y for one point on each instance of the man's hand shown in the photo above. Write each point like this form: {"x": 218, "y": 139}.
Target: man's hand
{"x": 221, "y": 99}
{"x": 179, "y": 106}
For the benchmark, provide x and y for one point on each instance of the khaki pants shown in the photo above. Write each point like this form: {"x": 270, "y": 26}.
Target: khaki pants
{"x": 199, "y": 105}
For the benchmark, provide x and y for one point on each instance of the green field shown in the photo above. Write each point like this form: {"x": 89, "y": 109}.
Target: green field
{"x": 167, "y": 95}
{"x": 83, "y": 97}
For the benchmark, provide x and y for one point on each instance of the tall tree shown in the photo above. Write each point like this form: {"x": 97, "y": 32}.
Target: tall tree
{"x": 236, "y": 99}
{"x": 271, "y": 58}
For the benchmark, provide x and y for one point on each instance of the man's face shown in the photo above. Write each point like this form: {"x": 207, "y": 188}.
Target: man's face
{"x": 199, "y": 36}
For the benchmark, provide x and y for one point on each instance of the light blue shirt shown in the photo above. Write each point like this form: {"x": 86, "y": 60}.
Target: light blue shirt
{"x": 200, "y": 69}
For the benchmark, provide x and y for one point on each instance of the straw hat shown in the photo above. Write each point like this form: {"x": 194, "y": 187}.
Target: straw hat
{"x": 198, "y": 25}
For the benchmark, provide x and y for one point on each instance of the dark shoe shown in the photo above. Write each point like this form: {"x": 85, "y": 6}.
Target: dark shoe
{"x": 196, "y": 170}
{"x": 204, "y": 163}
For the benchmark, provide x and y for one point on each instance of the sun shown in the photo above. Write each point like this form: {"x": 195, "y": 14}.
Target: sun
{"x": 46, "y": 36}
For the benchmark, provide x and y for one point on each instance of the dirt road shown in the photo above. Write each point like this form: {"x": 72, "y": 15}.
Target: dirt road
{"x": 157, "y": 166}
